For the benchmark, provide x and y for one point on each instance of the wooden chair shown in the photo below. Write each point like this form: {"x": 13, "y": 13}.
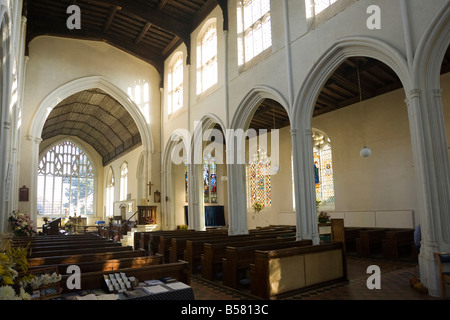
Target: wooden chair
{"x": 443, "y": 258}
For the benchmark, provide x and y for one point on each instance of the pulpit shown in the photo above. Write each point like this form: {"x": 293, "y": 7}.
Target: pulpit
{"x": 147, "y": 215}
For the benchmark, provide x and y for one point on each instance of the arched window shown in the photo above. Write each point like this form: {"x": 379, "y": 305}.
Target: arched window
{"x": 123, "y": 181}
{"x": 314, "y": 7}
{"x": 209, "y": 181}
{"x": 323, "y": 168}
{"x": 110, "y": 193}
{"x": 259, "y": 184}
{"x": 254, "y": 28}
{"x": 207, "y": 58}
{"x": 66, "y": 181}
{"x": 175, "y": 84}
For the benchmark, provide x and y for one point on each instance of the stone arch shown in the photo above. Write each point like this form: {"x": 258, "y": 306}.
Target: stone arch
{"x": 196, "y": 204}
{"x": 66, "y": 90}
{"x": 179, "y": 139}
{"x": 237, "y": 195}
{"x": 303, "y": 109}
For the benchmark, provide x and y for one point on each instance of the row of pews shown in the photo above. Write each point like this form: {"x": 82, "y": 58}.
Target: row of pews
{"x": 268, "y": 263}
{"x": 95, "y": 256}
{"x": 388, "y": 243}
{"x": 252, "y": 262}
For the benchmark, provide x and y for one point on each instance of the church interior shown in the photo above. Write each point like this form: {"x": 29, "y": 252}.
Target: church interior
{"x": 200, "y": 145}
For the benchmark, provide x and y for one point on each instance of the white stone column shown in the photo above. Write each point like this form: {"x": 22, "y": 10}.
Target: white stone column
{"x": 237, "y": 204}
{"x": 428, "y": 204}
{"x": 305, "y": 204}
{"x": 33, "y": 176}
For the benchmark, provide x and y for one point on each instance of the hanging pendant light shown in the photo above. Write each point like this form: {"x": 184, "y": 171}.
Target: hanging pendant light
{"x": 365, "y": 152}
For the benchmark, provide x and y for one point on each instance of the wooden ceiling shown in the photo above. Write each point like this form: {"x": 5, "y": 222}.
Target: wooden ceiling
{"x": 147, "y": 29}
{"x": 340, "y": 90}
{"x": 96, "y": 118}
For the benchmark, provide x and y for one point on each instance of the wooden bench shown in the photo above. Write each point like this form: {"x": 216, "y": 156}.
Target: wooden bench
{"x": 283, "y": 272}
{"x": 178, "y": 246}
{"x": 237, "y": 260}
{"x": 397, "y": 243}
{"x": 213, "y": 253}
{"x": 95, "y": 280}
{"x": 350, "y": 235}
{"x": 79, "y": 251}
{"x": 165, "y": 241}
{"x": 109, "y": 264}
{"x": 74, "y": 246}
{"x": 369, "y": 241}
{"x": 78, "y": 258}
{"x": 194, "y": 249}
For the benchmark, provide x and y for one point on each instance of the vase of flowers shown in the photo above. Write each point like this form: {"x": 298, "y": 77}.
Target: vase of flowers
{"x": 323, "y": 217}
{"x": 21, "y": 224}
{"x": 13, "y": 263}
{"x": 257, "y": 206}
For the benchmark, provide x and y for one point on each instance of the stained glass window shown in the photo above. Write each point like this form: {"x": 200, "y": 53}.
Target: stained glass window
{"x": 323, "y": 168}
{"x": 209, "y": 181}
{"x": 254, "y": 28}
{"x": 207, "y": 58}
{"x": 186, "y": 180}
{"x": 259, "y": 184}
{"x": 66, "y": 181}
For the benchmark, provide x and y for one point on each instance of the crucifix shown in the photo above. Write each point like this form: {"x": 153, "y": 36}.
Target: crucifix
{"x": 149, "y": 188}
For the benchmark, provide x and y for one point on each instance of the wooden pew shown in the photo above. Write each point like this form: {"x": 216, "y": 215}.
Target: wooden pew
{"x": 109, "y": 264}
{"x": 145, "y": 239}
{"x": 237, "y": 260}
{"x": 71, "y": 246}
{"x": 369, "y": 241}
{"x": 179, "y": 244}
{"x": 211, "y": 258}
{"x": 195, "y": 247}
{"x": 351, "y": 234}
{"x": 95, "y": 280}
{"x": 165, "y": 242}
{"x": 283, "y": 272}
{"x": 78, "y": 258}
{"x": 397, "y": 243}
{"x": 79, "y": 251}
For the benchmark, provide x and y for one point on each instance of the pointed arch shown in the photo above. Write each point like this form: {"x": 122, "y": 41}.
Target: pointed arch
{"x": 302, "y": 113}
{"x": 237, "y": 191}
{"x": 70, "y": 88}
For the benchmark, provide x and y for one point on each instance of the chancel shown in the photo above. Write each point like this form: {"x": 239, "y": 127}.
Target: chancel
{"x": 265, "y": 147}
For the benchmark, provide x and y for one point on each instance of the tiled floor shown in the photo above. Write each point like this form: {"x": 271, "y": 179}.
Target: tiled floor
{"x": 395, "y": 284}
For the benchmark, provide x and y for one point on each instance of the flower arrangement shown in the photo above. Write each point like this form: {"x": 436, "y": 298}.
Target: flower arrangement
{"x": 324, "y": 217}
{"x": 182, "y": 227}
{"x": 69, "y": 225}
{"x": 12, "y": 262}
{"x": 42, "y": 280}
{"x": 21, "y": 224}
{"x": 149, "y": 220}
{"x": 257, "y": 206}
